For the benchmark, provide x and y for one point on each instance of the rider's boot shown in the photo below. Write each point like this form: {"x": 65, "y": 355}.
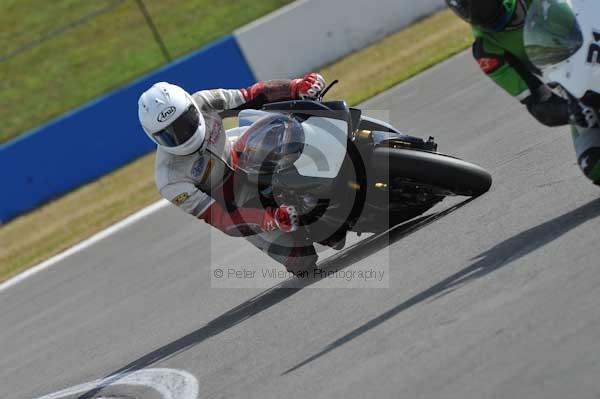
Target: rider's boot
{"x": 336, "y": 241}
{"x": 301, "y": 261}
{"x": 587, "y": 148}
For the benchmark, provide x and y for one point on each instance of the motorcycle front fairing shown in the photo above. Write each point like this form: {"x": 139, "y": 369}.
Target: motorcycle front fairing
{"x": 279, "y": 154}
{"x": 562, "y": 38}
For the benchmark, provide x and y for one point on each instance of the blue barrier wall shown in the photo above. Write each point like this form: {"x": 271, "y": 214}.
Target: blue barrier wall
{"x": 105, "y": 134}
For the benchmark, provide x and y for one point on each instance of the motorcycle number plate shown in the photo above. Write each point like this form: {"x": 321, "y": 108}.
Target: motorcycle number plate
{"x": 324, "y": 147}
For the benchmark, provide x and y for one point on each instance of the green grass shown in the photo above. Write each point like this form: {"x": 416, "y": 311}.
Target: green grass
{"x": 102, "y": 53}
{"x": 62, "y": 223}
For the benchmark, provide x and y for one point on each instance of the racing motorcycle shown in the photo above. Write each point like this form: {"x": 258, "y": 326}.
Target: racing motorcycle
{"x": 562, "y": 39}
{"x": 342, "y": 170}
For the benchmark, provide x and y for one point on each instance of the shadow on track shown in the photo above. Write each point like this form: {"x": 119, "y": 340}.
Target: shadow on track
{"x": 274, "y": 295}
{"x": 487, "y": 262}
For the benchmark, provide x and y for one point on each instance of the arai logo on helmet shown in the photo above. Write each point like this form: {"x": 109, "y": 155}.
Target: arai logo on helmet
{"x": 166, "y": 114}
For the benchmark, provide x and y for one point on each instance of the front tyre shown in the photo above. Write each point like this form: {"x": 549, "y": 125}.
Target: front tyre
{"x": 432, "y": 169}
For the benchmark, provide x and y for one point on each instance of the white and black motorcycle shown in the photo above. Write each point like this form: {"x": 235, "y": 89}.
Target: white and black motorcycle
{"x": 562, "y": 39}
{"x": 343, "y": 171}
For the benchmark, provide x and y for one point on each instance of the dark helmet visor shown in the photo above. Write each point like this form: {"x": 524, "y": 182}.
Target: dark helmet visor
{"x": 493, "y": 15}
{"x": 462, "y": 8}
{"x": 181, "y": 130}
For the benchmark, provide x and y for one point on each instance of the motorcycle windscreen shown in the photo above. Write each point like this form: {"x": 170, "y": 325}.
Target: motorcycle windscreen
{"x": 274, "y": 142}
{"x": 552, "y": 33}
{"x": 325, "y": 142}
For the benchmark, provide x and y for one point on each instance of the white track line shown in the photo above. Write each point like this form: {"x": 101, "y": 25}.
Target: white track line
{"x": 86, "y": 243}
{"x": 169, "y": 383}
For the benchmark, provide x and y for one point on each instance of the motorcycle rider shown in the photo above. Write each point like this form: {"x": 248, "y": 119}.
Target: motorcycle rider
{"x": 195, "y": 160}
{"x": 499, "y": 50}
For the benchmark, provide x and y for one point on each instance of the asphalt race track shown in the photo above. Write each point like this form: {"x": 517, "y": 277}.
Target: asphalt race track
{"x": 499, "y": 298}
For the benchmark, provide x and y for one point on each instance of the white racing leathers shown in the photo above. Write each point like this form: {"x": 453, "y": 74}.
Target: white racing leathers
{"x": 194, "y": 182}
{"x": 187, "y": 181}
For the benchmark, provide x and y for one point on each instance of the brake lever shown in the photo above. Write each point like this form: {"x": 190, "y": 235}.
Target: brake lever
{"x": 324, "y": 92}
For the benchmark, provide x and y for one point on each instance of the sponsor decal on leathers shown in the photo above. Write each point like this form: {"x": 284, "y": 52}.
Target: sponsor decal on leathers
{"x": 197, "y": 168}
{"x": 181, "y": 198}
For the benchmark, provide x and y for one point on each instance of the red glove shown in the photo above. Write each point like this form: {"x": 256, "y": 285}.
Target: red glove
{"x": 309, "y": 87}
{"x": 284, "y": 218}
{"x": 249, "y": 221}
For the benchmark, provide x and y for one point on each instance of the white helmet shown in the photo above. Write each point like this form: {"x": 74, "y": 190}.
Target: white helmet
{"x": 172, "y": 119}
